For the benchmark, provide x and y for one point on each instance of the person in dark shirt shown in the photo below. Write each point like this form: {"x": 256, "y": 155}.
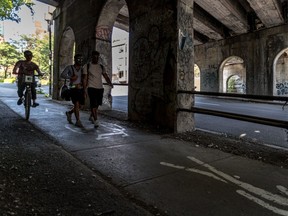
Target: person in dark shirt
{"x": 22, "y": 68}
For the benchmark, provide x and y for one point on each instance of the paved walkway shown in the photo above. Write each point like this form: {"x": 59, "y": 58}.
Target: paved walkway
{"x": 177, "y": 177}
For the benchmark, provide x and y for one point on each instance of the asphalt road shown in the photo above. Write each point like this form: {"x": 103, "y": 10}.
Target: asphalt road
{"x": 269, "y": 135}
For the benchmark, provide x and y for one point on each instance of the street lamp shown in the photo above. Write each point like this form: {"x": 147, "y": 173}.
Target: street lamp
{"x": 49, "y": 19}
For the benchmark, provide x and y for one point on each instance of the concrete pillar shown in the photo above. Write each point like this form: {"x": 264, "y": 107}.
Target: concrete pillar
{"x": 185, "y": 68}
{"x": 103, "y": 35}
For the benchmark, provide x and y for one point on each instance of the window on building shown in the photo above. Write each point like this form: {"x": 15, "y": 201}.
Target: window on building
{"x": 121, "y": 74}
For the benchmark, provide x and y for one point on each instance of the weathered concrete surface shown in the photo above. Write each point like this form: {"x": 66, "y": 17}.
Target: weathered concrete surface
{"x": 258, "y": 50}
{"x": 38, "y": 177}
{"x": 159, "y": 67}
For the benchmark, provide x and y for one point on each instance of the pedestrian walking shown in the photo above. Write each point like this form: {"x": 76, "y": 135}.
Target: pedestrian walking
{"x": 77, "y": 88}
{"x": 94, "y": 72}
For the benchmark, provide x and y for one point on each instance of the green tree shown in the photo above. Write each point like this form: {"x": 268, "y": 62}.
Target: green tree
{"x": 41, "y": 54}
{"x": 8, "y": 56}
{"x": 9, "y": 9}
{"x": 39, "y": 46}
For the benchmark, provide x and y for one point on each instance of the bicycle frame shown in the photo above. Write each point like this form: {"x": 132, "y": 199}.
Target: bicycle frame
{"x": 27, "y": 95}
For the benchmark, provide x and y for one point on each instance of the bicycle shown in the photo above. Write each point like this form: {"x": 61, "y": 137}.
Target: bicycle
{"x": 28, "y": 80}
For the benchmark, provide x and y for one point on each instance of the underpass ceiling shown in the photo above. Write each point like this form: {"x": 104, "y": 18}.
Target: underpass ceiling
{"x": 220, "y": 19}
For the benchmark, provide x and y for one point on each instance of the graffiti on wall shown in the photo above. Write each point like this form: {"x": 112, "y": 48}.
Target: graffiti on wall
{"x": 150, "y": 54}
{"x": 84, "y": 47}
{"x": 103, "y": 32}
{"x": 282, "y": 88}
{"x": 185, "y": 60}
{"x": 209, "y": 80}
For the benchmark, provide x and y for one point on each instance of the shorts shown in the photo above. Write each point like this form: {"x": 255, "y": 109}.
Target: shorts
{"x": 77, "y": 95}
{"x": 96, "y": 97}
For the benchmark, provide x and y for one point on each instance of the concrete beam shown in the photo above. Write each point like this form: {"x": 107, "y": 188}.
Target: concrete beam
{"x": 205, "y": 24}
{"x": 204, "y": 29}
{"x": 200, "y": 38}
{"x": 268, "y": 11}
{"x": 123, "y": 21}
{"x": 229, "y": 12}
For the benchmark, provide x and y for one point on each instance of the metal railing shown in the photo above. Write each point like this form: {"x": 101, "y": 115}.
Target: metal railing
{"x": 249, "y": 118}
{"x": 241, "y": 117}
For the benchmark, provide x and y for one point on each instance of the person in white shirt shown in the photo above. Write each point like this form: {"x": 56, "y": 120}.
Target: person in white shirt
{"x": 95, "y": 89}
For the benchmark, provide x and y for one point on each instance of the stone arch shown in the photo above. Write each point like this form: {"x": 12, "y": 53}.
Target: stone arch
{"x": 103, "y": 31}
{"x": 66, "y": 52}
{"x": 280, "y": 73}
{"x": 66, "y": 48}
{"x": 234, "y": 84}
{"x": 231, "y": 66}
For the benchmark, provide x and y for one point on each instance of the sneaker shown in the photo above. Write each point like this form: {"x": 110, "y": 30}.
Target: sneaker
{"x": 91, "y": 119}
{"x": 96, "y": 124}
{"x": 20, "y": 101}
{"x": 69, "y": 117}
{"x": 35, "y": 104}
{"x": 78, "y": 124}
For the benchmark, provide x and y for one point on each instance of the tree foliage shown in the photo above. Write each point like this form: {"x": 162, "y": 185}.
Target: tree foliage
{"x": 9, "y": 9}
{"x": 39, "y": 46}
{"x": 8, "y": 56}
{"x": 11, "y": 52}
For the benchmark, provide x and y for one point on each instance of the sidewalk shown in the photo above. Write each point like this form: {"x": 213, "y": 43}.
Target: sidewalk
{"x": 164, "y": 175}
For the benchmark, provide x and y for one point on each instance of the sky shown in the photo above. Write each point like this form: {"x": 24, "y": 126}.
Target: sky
{"x": 13, "y": 30}
{"x": 27, "y": 25}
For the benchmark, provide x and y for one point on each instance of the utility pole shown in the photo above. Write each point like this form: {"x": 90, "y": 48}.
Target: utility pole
{"x": 49, "y": 19}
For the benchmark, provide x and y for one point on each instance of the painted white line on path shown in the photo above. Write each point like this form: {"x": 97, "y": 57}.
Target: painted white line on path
{"x": 116, "y": 130}
{"x": 258, "y": 191}
{"x": 262, "y": 203}
{"x": 223, "y": 177}
{"x": 116, "y": 146}
{"x": 172, "y": 165}
{"x": 211, "y": 175}
{"x": 282, "y": 189}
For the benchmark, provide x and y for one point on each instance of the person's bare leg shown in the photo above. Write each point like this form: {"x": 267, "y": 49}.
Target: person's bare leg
{"x": 96, "y": 122}
{"x": 76, "y": 111}
{"x": 69, "y": 115}
{"x": 94, "y": 113}
{"x": 77, "y": 115}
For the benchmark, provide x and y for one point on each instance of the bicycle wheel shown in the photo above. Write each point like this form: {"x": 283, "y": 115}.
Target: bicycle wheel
{"x": 27, "y": 104}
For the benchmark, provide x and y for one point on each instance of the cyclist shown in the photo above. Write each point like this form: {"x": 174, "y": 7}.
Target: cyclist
{"x": 26, "y": 67}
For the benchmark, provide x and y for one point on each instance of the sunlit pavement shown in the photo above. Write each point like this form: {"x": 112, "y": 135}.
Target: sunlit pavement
{"x": 175, "y": 176}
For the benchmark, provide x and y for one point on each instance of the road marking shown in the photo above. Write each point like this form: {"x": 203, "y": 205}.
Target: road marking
{"x": 261, "y": 192}
{"x": 116, "y": 130}
{"x": 262, "y": 203}
{"x": 117, "y": 146}
{"x": 282, "y": 189}
{"x": 76, "y": 130}
{"x": 225, "y": 178}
